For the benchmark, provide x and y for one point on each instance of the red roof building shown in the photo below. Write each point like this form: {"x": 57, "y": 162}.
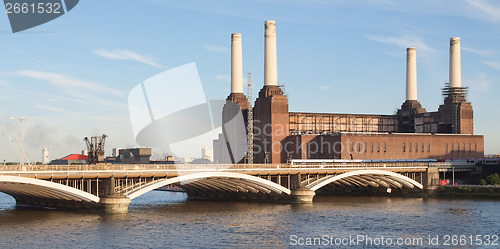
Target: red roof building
{"x": 75, "y": 157}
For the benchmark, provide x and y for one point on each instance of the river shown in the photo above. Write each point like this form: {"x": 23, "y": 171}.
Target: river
{"x": 169, "y": 220}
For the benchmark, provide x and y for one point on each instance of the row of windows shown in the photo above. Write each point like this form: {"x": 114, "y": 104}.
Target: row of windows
{"x": 416, "y": 148}
{"x": 364, "y": 147}
{"x": 410, "y": 147}
{"x": 457, "y": 148}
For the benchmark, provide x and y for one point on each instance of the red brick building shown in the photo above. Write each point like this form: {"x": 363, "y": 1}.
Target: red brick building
{"x": 411, "y": 133}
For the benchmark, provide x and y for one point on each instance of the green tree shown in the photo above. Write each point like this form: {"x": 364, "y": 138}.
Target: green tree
{"x": 493, "y": 179}
{"x": 482, "y": 182}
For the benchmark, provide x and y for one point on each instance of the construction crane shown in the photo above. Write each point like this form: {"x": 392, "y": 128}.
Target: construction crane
{"x": 20, "y": 141}
{"x": 16, "y": 149}
{"x": 250, "y": 120}
{"x": 95, "y": 147}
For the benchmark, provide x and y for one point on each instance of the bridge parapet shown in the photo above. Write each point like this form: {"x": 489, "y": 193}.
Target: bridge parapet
{"x": 198, "y": 167}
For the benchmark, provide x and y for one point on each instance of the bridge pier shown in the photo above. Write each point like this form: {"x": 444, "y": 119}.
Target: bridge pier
{"x": 302, "y": 195}
{"x": 114, "y": 204}
{"x": 431, "y": 178}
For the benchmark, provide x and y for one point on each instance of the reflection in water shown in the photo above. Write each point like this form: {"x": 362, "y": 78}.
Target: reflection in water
{"x": 164, "y": 219}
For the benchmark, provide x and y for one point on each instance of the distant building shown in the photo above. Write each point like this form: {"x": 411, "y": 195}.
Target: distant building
{"x": 168, "y": 160}
{"x": 201, "y": 161}
{"x": 134, "y": 156}
{"x": 116, "y": 152}
{"x": 71, "y": 159}
{"x": 207, "y": 153}
{"x": 45, "y": 156}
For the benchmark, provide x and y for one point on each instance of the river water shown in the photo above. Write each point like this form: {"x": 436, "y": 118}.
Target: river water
{"x": 168, "y": 220}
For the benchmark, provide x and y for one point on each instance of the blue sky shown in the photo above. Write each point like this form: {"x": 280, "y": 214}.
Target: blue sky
{"x": 70, "y": 77}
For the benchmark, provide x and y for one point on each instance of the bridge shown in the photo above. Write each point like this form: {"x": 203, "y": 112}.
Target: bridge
{"x": 111, "y": 187}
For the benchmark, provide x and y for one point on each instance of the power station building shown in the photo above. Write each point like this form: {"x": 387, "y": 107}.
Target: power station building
{"x": 411, "y": 133}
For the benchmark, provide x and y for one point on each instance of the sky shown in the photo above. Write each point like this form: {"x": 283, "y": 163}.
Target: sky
{"x": 70, "y": 78}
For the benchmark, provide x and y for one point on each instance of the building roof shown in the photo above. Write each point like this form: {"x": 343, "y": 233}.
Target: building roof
{"x": 75, "y": 157}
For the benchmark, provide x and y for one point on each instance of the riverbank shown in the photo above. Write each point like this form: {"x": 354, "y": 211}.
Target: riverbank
{"x": 486, "y": 191}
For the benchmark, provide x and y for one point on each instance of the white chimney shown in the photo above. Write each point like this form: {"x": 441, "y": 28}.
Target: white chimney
{"x": 236, "y": 64}
{"x": 455, "y": 67}
{"x": 411, "y": 74}
{"x": 270, "y": 55}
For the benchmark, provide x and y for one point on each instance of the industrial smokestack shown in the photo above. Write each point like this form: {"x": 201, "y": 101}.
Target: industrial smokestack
{"x": 455, "y": 67}
{"x": 270, "y": 55}
{"x": 236, "y": 64}
{"x": 411, "y": 74}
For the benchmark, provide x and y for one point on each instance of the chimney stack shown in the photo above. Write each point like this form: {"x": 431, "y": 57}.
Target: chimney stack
{"x": 411, "y": 74}
{"x": 270, "y": 55}
{"x": 455, "y": 67}
{"x": 236, "y": 64}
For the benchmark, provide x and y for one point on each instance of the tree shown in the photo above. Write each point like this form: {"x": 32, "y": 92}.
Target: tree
{"x": 493, "y": 179}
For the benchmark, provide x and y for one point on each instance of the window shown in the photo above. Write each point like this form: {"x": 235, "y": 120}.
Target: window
{"x": 464, "y": 147}
{"x": 404, "y": 147}
{"x": 452, "y": 145}
{"x": 378, "y": 147}
{"x": 416, "y": 147}
{"x": 409, "y": 149}
{"x": 365, "y": 146}
{"x": 423, "y": 148}
{"x": 446, "y": 148}
{"x": 469, "y": 148}
{"x": 352, "y": 147}
{"x": 428, "y": 147}
{"x": 359, "y": 147}
{"x": 371, "y": 146}
{"x": 458, "y": 147}
{"x": 475, "y": 147}
{"x": 385, "y": 147}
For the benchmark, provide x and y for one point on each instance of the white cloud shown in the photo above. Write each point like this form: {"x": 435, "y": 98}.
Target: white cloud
{"x": 122, "y": 54}
{"x": 324, "y": 87}
{"x": 481, "y": 52}
{"x": 487, "y": 9}
{"x": 480, "y": 83}
{"x": 55, "y": 109}
{"x": 68, "y": 82}
{"x": 493, "y": 64}
{"x": 216, "y": 49}
{"x": 405, "y": 41}
{"x": 223, "y": 77}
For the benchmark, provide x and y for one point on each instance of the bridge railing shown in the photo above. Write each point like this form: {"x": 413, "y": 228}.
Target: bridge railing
{"x": 115, "y": 167}
{"x": 197, "y": 167}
